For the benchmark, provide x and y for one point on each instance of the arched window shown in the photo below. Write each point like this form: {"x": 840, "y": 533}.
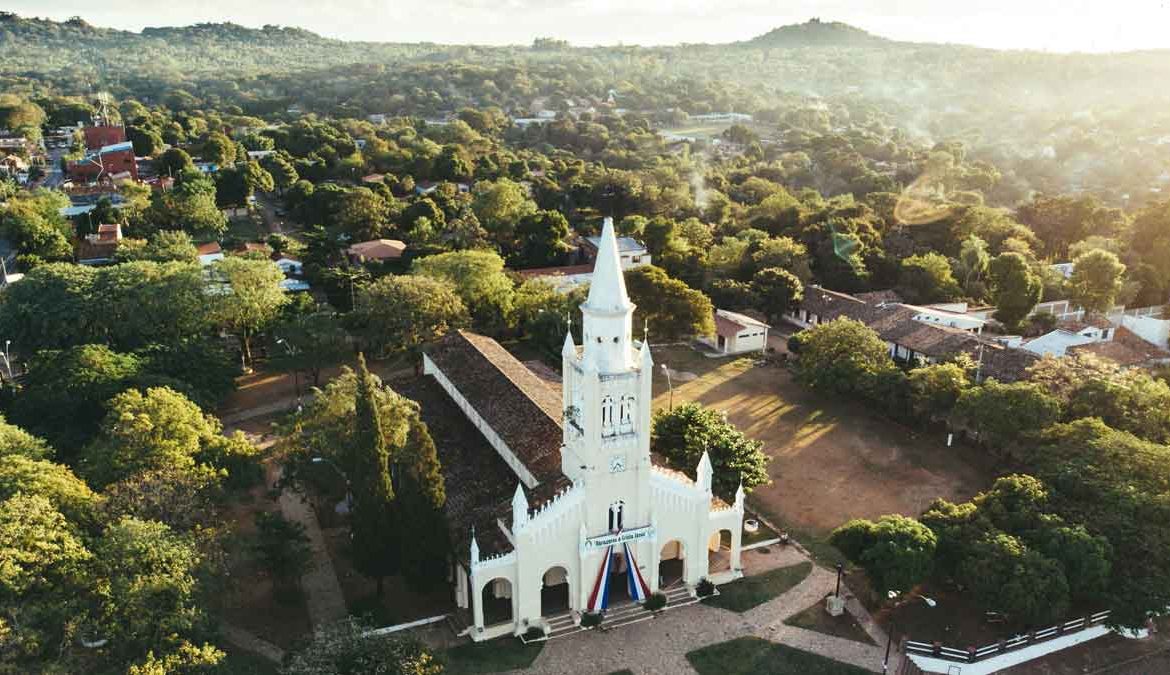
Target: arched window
{"x": 626, "y": 416}
{"x": 615, "y": 516}
{"x": 607, "y": 417}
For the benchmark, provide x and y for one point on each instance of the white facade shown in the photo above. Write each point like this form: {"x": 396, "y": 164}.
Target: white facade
{"x": 615, "y": 489}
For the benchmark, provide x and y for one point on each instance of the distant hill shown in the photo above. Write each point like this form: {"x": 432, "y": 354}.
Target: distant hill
{"x": 817, "y": 33}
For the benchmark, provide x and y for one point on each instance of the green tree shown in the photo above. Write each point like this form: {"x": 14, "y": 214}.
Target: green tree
{"x": 171, "y": 246}
{"x": 500, "y": 205}
{"x": 1003, "y": 414}
{"x": 66, "y": 391}
{"x": 147, "y": 589}
{"x": 41, "y": 578}
{"x": 55, "y": 482}
{"x": 683, "y": 434}
{"x": 777, "y": 292}
{"x": 1096, "y": 280}
{"x": 402, "y": 313}
{"x": 174, "y": 162}
{"x": 541, "y": 239}
{"x": 973, "y": 263}
{"x": 375, "y": 545}
{"x": 671, "y": 308}
{"x": 310, "y": 343}
{"x": 1015, "y": 288}
{"x": 146, "y": 140}
{"x": 49, "y": 308}
{"x": 897, "y": 552}
{"x": 252, "y": 300}
{"x": 218, "y": 149}
{"x": 150, "y": 430}
{"x": 282, "y": 547}
{"x": 841, "y": 356}
{"x": 927, "y": 278}
{"x": 17, "y": 441}
{"x": 478, "y": 278}
{"x": 1005, "y": 575}
{"x": 935, "y": 388}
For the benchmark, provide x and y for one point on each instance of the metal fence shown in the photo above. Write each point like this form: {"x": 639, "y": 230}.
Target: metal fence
{"x": 973, "y": 654}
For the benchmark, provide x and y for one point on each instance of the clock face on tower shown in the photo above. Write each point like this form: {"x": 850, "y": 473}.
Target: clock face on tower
{"x": 617, "y": 463}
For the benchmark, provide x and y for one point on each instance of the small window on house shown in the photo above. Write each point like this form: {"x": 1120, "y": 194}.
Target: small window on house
{"x": 637, "y": 258}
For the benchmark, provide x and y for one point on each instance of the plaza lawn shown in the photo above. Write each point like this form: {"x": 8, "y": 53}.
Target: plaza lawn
{"x": 754, "y": 656}
{"x": 818, "y": 619}
{"x": 742, "y": 595}
{"x": 493, "y": 656}
{"x": 832, "y": 459}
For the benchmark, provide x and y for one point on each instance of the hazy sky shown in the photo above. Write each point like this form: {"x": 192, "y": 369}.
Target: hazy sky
{"x": 1055, "y": 25}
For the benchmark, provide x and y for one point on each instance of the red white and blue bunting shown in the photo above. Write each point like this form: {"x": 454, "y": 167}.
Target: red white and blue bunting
{"x": 635, "y": 583}
{"x": 639, "y": 591}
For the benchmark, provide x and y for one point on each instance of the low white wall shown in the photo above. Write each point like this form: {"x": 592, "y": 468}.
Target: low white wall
{"x": 1014, "y": 658}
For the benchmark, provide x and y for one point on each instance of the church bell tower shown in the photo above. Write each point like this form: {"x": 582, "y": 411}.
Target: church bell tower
{"x": 607, "y": 391}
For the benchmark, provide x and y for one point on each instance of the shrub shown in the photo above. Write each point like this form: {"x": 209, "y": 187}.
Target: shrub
{"x": 655, "y": 602}
{"x": 590, "y": 620}
{"x": 705, "y": 588}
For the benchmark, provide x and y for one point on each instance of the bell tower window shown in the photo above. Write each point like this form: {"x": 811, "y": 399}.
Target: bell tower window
{"x": 626, "y": 415}
{"x": 608, "y": 423}
{"x": 615, "y": 516}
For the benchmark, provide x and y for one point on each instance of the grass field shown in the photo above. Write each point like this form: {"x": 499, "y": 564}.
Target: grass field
{"x": 754, "y": 656}
{"x": 753, "y": 591}
{"x": 832, "y": 460}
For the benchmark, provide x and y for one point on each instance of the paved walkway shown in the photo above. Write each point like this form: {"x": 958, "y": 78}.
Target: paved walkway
{"x": 660, "y": 645}
{"x": 246, "y": 640}
{"x": 323, "y": 593}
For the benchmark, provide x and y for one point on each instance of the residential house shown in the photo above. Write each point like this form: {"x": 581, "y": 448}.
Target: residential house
{"x": 108, "y": 161}
{"x": 1070, "y": 333}
{"x": 209, "y": 253}
{"x": 916, "y": 334}
{"x": 376, "y": 250}
{"x": 633, "y": 253}
{"x": 564, "y": 278}
{"x": 1127, "y": 349}
{"x": 737, "y": 333}
{"x": 98, "y": 248}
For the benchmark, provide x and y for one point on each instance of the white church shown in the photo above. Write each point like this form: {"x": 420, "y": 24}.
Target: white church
{"x": 592, "y": 524}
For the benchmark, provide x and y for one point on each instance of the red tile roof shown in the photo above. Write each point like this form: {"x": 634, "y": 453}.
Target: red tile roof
{"x": 520, "y": 407}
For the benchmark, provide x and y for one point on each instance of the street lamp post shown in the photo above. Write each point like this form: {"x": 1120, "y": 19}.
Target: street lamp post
{"x": 296, "y": 372}
{"x": 348, "y": 485}
{"x": 669, "y": 385}
{"x": 840, "y": 568}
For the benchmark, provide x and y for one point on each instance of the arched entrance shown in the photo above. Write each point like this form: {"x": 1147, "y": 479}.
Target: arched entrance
{"x": 672, "y": 564}
{"x": 497, "y": 601}
{"x": 554, "y": 591}
{"x": 719, "y": 552}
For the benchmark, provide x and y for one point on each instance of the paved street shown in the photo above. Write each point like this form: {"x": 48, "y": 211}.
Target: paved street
{"x": 660, "y": 646}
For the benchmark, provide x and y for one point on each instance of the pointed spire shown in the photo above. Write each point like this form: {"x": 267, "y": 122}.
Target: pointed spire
{"x": 570, "y": 348}
{"x": 739, "y": 497}
{"x": 474, "y": 548}
{"x": 703, "y": 473}
{"x": 519, "y": 509}
{"x": 607, "y": 290}
{"x": 647, "y": 359}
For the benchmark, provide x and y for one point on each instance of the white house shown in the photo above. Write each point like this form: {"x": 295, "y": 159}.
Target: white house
{"x": 592, "y": 524}
{"x": 631, "y": 251}
{"x": 737, "y": 333}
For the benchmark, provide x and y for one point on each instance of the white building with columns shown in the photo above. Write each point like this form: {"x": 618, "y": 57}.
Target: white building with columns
{"x": 592, "y": 521}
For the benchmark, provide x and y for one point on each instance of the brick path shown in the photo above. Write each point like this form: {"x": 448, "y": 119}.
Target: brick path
{"x": 246, "y": 640}
{"x": 660, "y": 645}
{"x": 323, "y": 593}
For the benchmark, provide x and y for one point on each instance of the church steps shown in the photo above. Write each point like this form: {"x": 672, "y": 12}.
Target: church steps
{"x": 625, "y": 614}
